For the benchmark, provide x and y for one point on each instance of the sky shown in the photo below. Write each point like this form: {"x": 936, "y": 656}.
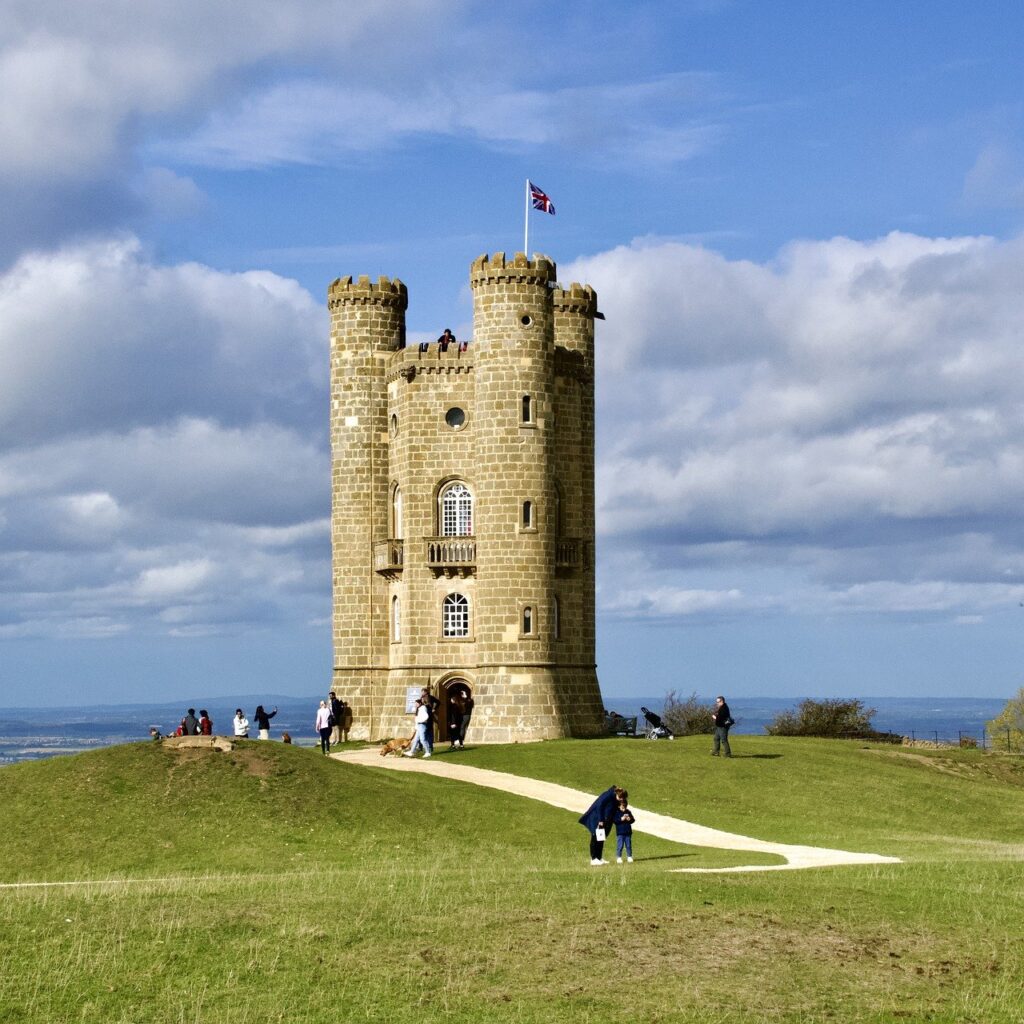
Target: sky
{"x": 805, "y": 224}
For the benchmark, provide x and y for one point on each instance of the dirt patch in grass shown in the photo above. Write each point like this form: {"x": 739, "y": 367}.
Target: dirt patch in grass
{"x": 972, "y": 765}
{"x": 249, "y": 758}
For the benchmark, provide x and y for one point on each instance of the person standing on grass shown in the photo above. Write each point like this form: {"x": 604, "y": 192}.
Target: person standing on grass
{"x": 324, "y": 727}
{"x": 623, "y": 829}
{"x": 241, "y": 724}
{"x": 723, "y": 722}
{"x": 597, "y": 819}
{"x": 263, "y": 721}
{"x": 455, "y": 715}
{"x": 467, "y": 714}
{"x": 336, "y": 712}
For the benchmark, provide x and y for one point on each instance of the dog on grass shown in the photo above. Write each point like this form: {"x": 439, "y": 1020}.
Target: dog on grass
{"x": 395, "y": 746}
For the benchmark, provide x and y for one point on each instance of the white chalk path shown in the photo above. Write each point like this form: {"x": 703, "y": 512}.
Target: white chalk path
{"x": 674, "y": 829}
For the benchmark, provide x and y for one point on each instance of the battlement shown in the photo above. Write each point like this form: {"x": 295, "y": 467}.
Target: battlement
{"x": 498, "y": 269}
{"x": 577, "y": 298}
{"x": 384, "y": 292}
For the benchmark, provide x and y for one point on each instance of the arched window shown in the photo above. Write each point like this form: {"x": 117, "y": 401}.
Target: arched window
{"x": 527, "y": 621}
{"x": 527, "y": 409}
{"x": 455, "y": 616}
{"x": 457, "y": 511}
{"x": 527, "y": 515}
{"x": 396, "y": 619}
{"x": 396, "y": 513}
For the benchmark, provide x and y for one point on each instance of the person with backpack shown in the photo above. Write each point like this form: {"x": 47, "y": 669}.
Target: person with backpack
{"x": 723, "y": 722}
{"x": 337, "y": 713}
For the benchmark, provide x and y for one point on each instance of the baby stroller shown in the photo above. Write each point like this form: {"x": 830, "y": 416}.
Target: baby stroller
{"x": 656, "y": 728}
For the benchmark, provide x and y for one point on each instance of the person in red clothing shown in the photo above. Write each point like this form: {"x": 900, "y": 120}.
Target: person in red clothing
{"x": 205, "y": 723}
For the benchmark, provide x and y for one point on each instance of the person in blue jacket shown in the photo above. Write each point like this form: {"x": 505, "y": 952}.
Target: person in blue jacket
{"x": 600, "y": 815}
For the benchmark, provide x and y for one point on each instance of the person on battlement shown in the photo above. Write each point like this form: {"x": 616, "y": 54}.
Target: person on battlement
{"x": 445, "y": 340}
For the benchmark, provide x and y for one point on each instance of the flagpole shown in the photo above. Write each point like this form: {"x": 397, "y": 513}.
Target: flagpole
{"x": 526, "y": 222}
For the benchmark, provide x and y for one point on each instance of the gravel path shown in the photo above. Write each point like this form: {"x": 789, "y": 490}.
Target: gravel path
{"x": 649, "y": 823}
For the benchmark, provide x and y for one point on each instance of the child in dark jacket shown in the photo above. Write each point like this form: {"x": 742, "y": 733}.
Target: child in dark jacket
{"x": 623, "y": 830}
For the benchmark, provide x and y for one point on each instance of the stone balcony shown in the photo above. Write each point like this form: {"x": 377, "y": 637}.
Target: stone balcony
{"x": 451, "y": 556}
{"x": 568, "y": 553}
{"x": 388, "y": 557}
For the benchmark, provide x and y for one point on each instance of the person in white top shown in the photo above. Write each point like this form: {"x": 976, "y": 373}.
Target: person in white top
{"x": 323, "y": 726}
{"x": 241, "y": 724}
{"x": 422, "y": 738}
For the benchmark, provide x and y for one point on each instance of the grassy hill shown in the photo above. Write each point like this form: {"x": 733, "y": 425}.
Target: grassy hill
{"x": 270, "y": 883}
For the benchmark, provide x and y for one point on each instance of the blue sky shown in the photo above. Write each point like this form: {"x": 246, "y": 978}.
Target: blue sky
{"x": 804, "y": 222}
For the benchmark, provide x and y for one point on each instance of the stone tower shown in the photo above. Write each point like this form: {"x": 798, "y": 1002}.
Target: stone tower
{"x": 463, "y": 506}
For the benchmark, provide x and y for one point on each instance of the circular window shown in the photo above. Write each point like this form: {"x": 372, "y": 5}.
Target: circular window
{"x": 455, "y": 417}
{"x": 526, "y": 320}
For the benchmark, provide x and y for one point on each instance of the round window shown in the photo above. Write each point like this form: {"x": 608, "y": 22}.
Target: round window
{"x": 455, "y": 417}
{"x": 526, "y": 320}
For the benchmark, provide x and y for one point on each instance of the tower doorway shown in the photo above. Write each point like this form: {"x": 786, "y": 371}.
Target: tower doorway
{"x": 454, "y": 694}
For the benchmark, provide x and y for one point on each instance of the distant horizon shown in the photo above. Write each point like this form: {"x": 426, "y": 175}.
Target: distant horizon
{"x": 253, "y": 699}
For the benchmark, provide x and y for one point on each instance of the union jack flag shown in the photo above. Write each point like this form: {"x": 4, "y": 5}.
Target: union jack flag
{"x": 540, "y": 199}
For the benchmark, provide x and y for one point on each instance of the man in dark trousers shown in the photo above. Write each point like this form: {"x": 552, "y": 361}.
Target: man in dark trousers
{"x": 723, "y": 723}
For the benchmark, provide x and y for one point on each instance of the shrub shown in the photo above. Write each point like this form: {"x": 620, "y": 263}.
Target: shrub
{"x": 834, "y": 718}
{"x": 1006, "y": 731}
{"x": 686, "y": 717}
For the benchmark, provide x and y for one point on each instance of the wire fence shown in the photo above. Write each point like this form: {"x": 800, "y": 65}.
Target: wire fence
{"x": 1007, "y": 741}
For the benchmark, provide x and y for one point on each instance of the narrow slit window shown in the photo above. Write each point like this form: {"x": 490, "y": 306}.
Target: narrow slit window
{"x": 527, "y": 409}
{"x": 527, "y": 515}
{"x": 527, "y": 621}
{"x": 556, "y": 615}
{"x": 396, "y": 619}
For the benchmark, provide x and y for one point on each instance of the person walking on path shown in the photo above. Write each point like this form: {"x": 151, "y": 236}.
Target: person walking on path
{"x": 263, "y": 721}
{"x": 722, "y": 719}
{"x": 597, "y": 819}
{"x": 323, "y": 726}
{"x": 432, "y": 704}
{"x": 241, "y": 724}
{"x": 422, "y": 736}
{"x": 623, "y": 829}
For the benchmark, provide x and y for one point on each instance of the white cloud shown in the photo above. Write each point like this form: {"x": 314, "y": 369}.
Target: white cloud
{"x": 96, "y": 337}
{"x": 76, "y": 77}
{"x": 661, "y": 121}
{"x": 163, "y": 457}
{"x": 835, "y": 429}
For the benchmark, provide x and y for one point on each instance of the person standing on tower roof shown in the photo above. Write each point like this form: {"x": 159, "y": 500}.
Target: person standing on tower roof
{"x": 446, "y": 339}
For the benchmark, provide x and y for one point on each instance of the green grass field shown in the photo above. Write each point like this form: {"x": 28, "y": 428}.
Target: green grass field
{"x": 272, "y": 884}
